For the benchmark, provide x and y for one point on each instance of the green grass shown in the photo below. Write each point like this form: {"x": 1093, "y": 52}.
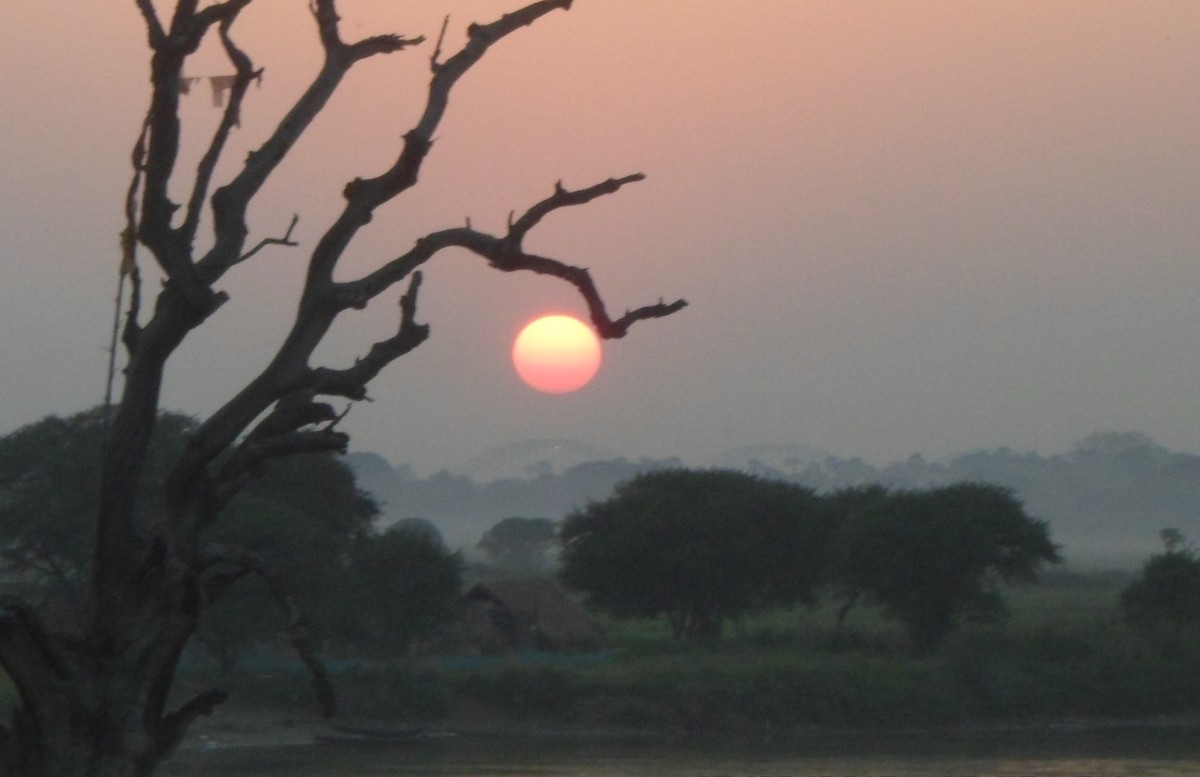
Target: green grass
{"x": 1063, "y": 652}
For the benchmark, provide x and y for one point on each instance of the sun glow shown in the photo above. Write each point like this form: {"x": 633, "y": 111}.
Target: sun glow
{"x": 556, "y": 354}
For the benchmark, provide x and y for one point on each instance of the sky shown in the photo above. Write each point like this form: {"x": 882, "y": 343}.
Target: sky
{"x": 901, "y": 227}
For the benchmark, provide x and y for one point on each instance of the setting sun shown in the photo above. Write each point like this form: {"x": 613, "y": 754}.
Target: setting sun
{"x": 556, "y": 354}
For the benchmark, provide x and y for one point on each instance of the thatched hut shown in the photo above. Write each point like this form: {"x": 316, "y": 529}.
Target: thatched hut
{"x": 526, "y": 614}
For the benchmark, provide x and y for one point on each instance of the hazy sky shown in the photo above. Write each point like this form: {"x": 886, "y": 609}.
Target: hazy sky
{"x": 901, "y": 226}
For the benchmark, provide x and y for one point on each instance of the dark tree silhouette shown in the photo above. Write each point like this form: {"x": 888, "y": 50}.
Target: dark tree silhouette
{"x": 699, "y": 546}
{"x": 520, "y": 543}
{"x": 932, "y": 558}
{"x": 1165, "y": 598}
{"x": 94, "y": 693}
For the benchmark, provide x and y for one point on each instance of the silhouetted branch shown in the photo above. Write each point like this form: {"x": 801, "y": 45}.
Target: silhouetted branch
{"x": 352, "y": 381}
{"x": 174, "y": 726}
{"x": 244, "y": 73}
{"x": 505, "y": 253}
{"x": 562, "y": 199}
{"x": 437, "y": 50}
{"x": 153, "y": 25}
{"x": 286, "y": 240}
{"x": 247, "y": 461}
{"x": 243, "y": 563}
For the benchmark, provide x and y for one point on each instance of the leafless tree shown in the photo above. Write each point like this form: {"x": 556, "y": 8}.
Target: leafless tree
{"x": 94, "y": 696}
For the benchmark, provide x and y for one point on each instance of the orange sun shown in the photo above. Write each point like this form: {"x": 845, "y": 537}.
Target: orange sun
{"x": 556, "y": 354}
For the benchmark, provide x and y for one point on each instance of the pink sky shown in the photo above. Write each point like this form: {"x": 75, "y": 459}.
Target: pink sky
{"x": 911, "y": 226}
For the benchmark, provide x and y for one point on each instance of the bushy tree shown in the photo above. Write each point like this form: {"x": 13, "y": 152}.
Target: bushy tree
{"x": 406, "y": 587}
{"x": 49, "y": 486}
{"x": 422, "y": 526}
{"x": 933, "y": 558}
{"x": 1166, "y": 595}
{"x": 301, "y": 518}
{"x": 520, "y": 543}
{"x": 697, "y": 546}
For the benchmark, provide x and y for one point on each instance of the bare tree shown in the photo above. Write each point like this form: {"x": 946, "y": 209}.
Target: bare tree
{"x": 94, "y": 696}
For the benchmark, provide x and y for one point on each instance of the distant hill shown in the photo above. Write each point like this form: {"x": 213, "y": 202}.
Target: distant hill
{"x": 464, "y": 508}
{"x": 787, "y": 459}
{"x": 531, "y": 458}
{"x": 1105, "y": 500}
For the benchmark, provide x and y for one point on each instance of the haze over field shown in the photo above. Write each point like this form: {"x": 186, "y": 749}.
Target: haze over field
{"x": 902, "y": 227}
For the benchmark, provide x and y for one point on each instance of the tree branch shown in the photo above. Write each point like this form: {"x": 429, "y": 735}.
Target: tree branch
{"x": 562, "y": 199}
{"x": 220, "y": 13}
{"x": 286, "y": 240}
{"x": 244, "y": 73}
{"x": 229, "y": 202}
{"x": 174, "y": 725}
{"x": 246, "y": 563}
{"x": 247, "y": 462}
{"x": 327, "y": 25}
{"x": 506, "y": 254}
{"x": 364, "y": 195}
{"x": 352, "y": 381}
{"x": 153, "y": 26}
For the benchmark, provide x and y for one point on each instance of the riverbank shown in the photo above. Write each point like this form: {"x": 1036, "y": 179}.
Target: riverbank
{"x": 1064, "y": 662}
{"x": 470, "y": 727}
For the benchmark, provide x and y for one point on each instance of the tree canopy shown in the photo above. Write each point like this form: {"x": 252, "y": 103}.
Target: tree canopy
{"x": 1166, "y": 595}
{"x": 407, "y": 586}
{"x": 520, "y": 543}
{"x": 301, "y": 515}
{"x": 931, "y": 558}
{"x": 49, "y": 487}
{"x": 697, "y": 546}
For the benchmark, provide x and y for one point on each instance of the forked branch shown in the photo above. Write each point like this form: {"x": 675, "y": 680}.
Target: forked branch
{"x": 507, "y": 254}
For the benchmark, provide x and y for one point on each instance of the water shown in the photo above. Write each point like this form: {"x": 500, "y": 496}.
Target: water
{"x": 1151, "y": 753}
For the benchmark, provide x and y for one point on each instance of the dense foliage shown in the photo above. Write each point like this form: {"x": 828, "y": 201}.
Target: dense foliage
{"x": 1166, "y": 595}
{"x": 406, "y": 586}
{"x": 303, "y": 516}
{"x": 932, "y": 558}
{"x": 520, "y": 543}
{"x": 705, "y": 546}
{"x": 49, "y": 483}
{"x": 698, "y": 546}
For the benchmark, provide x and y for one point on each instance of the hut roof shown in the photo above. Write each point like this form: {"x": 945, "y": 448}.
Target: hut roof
{"x": 541, "y": 609}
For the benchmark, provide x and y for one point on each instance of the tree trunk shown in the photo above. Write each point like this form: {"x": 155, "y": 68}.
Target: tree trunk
{"x": 105, "y": 734}
{"x": 96, "y": 707}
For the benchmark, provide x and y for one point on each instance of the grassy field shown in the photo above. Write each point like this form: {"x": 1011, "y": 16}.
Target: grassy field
{"x": 1064, "y": 654}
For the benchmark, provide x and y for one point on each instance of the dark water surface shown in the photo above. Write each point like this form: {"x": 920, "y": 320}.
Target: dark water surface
{"x": 1168, "y": 752}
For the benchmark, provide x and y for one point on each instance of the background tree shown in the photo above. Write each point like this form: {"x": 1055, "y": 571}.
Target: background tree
{"x": 406, "y": 587}
{"x": 851, "y": 509}
{"x": 94, "y": 696}
{"x": 697, "y": 546}
{"x": 1165, "y": 597}
{"x": 422, "y": 526}
{"x": 49, "y": 477}
{"x": 931, "y": 558}
{"x": 301, "y": 516}
{"x": 520, "y": 543}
